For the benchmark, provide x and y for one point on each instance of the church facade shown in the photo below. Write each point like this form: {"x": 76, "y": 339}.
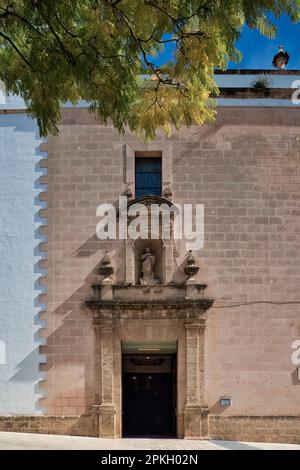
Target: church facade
{"x": 150, "y": 335}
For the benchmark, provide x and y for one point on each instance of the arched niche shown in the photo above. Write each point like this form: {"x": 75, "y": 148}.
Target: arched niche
{"x": 161, "y": 248}
{"x": 158, "y": 250}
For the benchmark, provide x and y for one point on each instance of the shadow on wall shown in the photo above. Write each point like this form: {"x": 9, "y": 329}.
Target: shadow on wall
{"x": 61, "y": 349}
{"x": 71, "y": 345}
{"x": 217, "y": 409}
{"x": 27, "y": 370}
{"x": 237, "y": 117}
{"x": 295, "y": 377}
{"x": 94, "y": 244}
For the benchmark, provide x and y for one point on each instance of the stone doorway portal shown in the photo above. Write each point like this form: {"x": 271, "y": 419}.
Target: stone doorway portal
{"x": 123, "y": 315}
{"x": 149, "y": 390}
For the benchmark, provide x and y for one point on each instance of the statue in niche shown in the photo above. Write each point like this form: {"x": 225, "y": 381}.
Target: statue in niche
{"x": 148, "y": 262}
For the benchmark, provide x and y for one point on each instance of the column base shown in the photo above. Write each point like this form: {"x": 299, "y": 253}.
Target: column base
{"x": 196, "y": 422}
{"x": 107, "y": 421}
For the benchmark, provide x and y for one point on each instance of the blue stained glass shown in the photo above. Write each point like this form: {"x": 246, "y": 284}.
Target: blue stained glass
{"x": 147, "y": 176}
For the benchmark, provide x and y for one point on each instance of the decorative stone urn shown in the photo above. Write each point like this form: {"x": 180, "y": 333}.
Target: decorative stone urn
{"x": 106, "y": 269}
{"x": 191, "y": 269}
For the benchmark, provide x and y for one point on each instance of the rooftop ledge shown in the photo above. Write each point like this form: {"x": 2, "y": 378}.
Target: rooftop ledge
{"x": 257, "y": 72}
{"x": 236, "y": 88}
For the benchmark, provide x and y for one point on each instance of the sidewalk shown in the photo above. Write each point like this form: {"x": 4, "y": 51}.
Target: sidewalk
{"x": 21, "y": 441}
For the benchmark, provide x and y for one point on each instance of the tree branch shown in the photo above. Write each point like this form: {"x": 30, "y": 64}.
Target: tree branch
{"x": 7, "y": 38}
{"x": 65, "y": 28}
{"x": 61, "y": 45}
{"x": 16, "y": 15}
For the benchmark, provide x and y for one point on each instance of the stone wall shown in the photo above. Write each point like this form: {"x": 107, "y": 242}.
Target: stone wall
{"x": 64, "y": 425}
{"x": 284, "y": 429}
{"x": 245, "y": 170}
{"x": 249, "y": 358}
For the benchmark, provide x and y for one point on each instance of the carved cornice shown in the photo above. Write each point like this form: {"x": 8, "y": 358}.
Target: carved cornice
{"x": 186, "y": 310}
{"x": 169, "y": 302}
{"x": 142, "y": 305}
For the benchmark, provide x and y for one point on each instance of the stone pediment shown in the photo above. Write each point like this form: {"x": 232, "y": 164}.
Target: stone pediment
{"x": 149, "y": 200}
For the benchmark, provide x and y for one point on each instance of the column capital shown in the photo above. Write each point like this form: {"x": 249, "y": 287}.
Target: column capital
{"x": 195, "y": 326}
{"x": 97, "y": 329}
{"x": 107, "y": 327}
{"x": 104, "y": 326}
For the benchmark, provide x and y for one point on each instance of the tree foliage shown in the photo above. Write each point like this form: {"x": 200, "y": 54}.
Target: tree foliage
{"x": 103, "y": 51}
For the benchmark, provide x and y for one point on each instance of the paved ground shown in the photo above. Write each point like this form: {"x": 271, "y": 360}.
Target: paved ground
{"x": 20, "y": 441}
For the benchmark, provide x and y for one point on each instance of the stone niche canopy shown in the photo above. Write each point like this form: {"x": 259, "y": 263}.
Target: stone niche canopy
{"x": 159, "y": 248}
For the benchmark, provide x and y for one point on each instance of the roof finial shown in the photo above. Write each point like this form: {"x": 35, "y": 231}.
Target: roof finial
{"x": 281, "y": 59}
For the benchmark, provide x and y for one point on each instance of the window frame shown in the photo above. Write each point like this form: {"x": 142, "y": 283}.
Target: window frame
{"x": 148, "y": 156}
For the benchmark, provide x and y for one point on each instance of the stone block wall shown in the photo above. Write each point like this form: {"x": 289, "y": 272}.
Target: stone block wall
{"x": 61, "y": 425}
{"x": 284, "y": 429}
{"x": 245, "y": 170}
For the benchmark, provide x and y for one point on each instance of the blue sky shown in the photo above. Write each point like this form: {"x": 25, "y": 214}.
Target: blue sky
{"x": 258, "y": 51}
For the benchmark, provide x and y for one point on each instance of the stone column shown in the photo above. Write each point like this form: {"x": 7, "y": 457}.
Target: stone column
{"x": 107, "y": 410}
{"x": 97, "y": 383}
{"x": 129, "y": 263}
{"x": 196, "y": 412}
{"x": 168, "y": 261}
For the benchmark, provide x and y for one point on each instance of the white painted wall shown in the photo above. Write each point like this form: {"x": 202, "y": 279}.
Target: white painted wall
{"x": 19, "y": 322}
{"x": 245, "y": 81}
{"x": 258, "y": 102}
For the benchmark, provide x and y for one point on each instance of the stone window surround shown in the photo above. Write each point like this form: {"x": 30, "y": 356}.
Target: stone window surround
{"x": 164, "y": 150}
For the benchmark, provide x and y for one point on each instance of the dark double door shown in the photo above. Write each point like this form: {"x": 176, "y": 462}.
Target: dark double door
{"x": 149, "y": 403}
